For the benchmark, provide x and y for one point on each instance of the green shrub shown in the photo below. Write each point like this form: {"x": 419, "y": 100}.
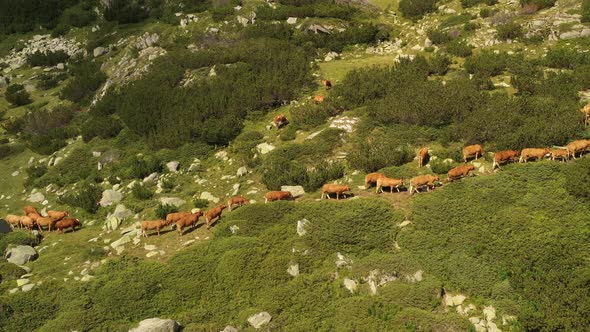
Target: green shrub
{"x": 64, "y": 174}
{"x": 168, "y": 184}
{"x": 124, "y": 11}
{"x": 370, "y": 155}
{"x": 86, "y": 197}
{"x": 47, "y": 130}
{"x": 87, "y": 78}
{"x": 471, "y": 26}
{"x": 565, "y": 57}
{"x": 540, "y": 4}
{"x": 49, "y": 58}
{"x": 141, "y": 192}
{"x": 323, "y": 173}
{"x": 578, "y": 178}
{"x": 104, "y": 127}
{"x": 9, "y": 271}
{"x": 472, "y": 3}
{"x": 49, "y": 81}
{"x": 486, "y": 63}
{"x": 289, "y": 134}
{"x": 487, "y": 12}
{"x": 456, "y": 20}
{"x": 79, "y": 16}
{"x": 511, "y": 30}
{"x": 438, "y": 37}
{"x": 415, "y": 9}
{"x": 200, "y": 203}
{"x": 138, "y": 167}
{"x": 310, "y": 116}
{"x": 17, "y": 95}
{"x": 8, "y": 150}
{"x": 459, "y": 48}
{"x": 585, "y": 11}
{"x": 439, "y": 64}
{"x": 438, "y": 166}
{"x": 34, "y": 172}
{"x": 162, "y": 210}
{"x": 18, "y": 16}
{"x": 221, "y": 13}
{"x": 17, "y": 238}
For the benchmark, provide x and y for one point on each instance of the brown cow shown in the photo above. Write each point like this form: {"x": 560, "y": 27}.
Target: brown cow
{"x": 337, "y": 189}
{"x": 153, "y": 224}
{"x": 327, "y": 83}
{"x": 372, "y": 178}
{"x": 422, "y": 156}
{"x": 277, "y": 196}
{"x": 27, "y": 222}
{"x": 578, "y": 146}
{"x": 176, "y": 216}
{"x": 586, "y": 111}
{"x": 388, "y": 182}
{"x": 214, "y": 213}
{"x": 280, "y": 121}
{"x": 14, "y": 220}
{"x": 534, "y": 153}
{"x": 459, "y": 171}
{"x": 45, "y": 221}
{"x": 189, "y": 221}
{"x": 57, "y": 215}
{"x": 67, "y": 223}
{"x": 237, "y": 200}
{"x": 422, "y": 180}
{"x": 471, "y": 150}
{"x": 30, "y": 209}
{"x": 318, "y": 99}
{"x": 562, "y": 154}
{"x": 34, "y": 216}
{"x": 505, "y": 156}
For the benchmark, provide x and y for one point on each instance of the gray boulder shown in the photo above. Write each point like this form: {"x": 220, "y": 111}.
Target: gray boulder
{"x": 172, "y": 166}
{"x": 99, "y": 51}
{"x": 122, "y": 212}
{"x": 296, "y": 191}
{"x": 242, "y": 171}
{"x": 157, "y": 325}
{"x": 20, "y": 255}
{"x": 109, "y": 197}
{"x": 36, "y": 197}
{"x": 260, "y": 319}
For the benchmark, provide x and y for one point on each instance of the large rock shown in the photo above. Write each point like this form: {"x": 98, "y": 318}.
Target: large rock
{"x": 112, "y": 223}
{"x": 157, "y": 325}
{"x": 109, "y": 197}
{"x": 265, "y": 148}
{"x": 121, "y": 241}
{"x": 172, "y": 166}
{"x": 293, "y": 270}
{"x": 350, "y": 285}
{"x": 292, "y": 20}
{"x": 301, "y": 226}
{"x": 569, "y": 35}
{"x": 295, "y": 190}
{"x": 99, "y": 51}
{"x": 178, "y": 202}
{"x": 242, "y": 171}
{"x": 260, "y": 319}
{"x": 36, "y": 197}
{"x": 151, "y": 178}
{"x": 229, "y": 328}
{"x": 20, "y": 255}
{"x": 121, "y": 212}
{"x": 147, "y": 40}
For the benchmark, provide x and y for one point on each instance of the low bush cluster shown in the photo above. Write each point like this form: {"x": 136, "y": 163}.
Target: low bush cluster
{"x": 48, "y": 58}
{"x": 416, "y": 9}
{"x": 87, "y": 78}
{"x": 86, "y": 197}
{"x": 17, "y": 95}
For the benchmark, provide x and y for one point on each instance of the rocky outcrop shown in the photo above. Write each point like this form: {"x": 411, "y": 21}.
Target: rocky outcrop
{"x": 20, "y": 255}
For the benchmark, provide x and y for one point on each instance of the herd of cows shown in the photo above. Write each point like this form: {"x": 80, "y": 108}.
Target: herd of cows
{"x": 57, "y": 220}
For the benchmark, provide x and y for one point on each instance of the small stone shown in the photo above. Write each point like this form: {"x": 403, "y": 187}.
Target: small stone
{"x": 27, "y": 287}
{"x": 301, "y": 226}
{"x": 173, "y": 166}
{"x": 260, "y": 319}
{"x": 22, "y": 282}
{"x": 350, "y": 285}
{"x": 293, "y": 270}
